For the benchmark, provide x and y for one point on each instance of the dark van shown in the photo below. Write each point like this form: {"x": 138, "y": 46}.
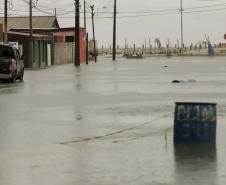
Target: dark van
{"x": 11, "y": 64}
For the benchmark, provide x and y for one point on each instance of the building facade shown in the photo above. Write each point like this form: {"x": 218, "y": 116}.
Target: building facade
{"x": 43, "y": 27}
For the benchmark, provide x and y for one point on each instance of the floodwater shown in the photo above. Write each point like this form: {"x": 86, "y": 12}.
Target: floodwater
{"x": 110, "y": 123}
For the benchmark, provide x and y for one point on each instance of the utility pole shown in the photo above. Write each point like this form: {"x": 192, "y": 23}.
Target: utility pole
{"x": 30, "y": 53}
{"x": 55, "y": 12}
{"x": 85, "y": 14}
{"x": 77, "y": 34}
{"x": 145, "y": 45}
{"x": 125, "y": 45}
{"x": 182, "y": 39}
{"x": 1, "y": 33}
{"x": 114, "y": 33}
{"x": 149, "y": 40}
{"x": 30, "y": 18}
{"x": 94, "y": 40}
{"x": 87, "y": 47}
{"x": 6, "y": 22}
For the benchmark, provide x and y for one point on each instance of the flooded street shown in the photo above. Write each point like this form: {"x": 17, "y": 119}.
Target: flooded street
{"x": 110, "y": 123}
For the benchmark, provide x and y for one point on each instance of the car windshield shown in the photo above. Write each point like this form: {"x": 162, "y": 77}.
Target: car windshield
{"x": 6, "y": 52}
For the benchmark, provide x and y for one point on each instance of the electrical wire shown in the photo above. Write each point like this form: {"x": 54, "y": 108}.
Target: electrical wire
{"x": 48, "y": 5}
{"x": 130, "y": 14}
{"x": 48, "y": 8}
{"x": 210, "y": 10}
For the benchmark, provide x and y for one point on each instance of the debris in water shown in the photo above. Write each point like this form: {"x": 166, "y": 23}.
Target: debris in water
{"x": 184, "y": 81}
{"x": 79, "y": 117}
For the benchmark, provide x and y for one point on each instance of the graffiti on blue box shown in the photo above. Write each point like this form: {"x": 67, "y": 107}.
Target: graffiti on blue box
{"x": 195, "y": 122}
{"x": 203, "y": 113}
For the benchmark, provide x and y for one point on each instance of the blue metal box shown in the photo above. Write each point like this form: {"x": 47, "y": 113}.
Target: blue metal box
{"x": 195, "y": 122}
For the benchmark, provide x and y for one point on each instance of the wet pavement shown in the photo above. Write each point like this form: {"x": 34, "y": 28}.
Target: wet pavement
{"x": 110, "y": 123}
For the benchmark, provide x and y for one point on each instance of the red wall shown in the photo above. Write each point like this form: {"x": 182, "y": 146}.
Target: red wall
{"x": 59, "y": 38}
{"x": 82, "y": 46}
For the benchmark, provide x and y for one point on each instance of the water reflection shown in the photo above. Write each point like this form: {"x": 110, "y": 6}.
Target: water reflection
{"x": 78, "y": 79}
{"x": 195, "y": 164}
{"x": 8, "y": 88}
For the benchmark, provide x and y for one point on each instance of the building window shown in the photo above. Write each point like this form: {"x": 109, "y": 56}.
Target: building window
{"x": 69, "y": 38}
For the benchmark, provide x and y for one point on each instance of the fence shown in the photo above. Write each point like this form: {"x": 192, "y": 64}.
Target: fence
{"x": 64, "y": 53}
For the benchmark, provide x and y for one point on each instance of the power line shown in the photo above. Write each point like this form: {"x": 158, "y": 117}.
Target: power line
{"x": 43, "y": 11}
{"x": 35, "y": 6}
{"x": 137, "y": 15}
{"x": 41, "y": 8}
{"x": 206, "y": 6}
{"x": 159, "y": 11}
{"x": 210, "y": 10}
{"x": 63, "y": 12}
{"x": 48, "y": 5}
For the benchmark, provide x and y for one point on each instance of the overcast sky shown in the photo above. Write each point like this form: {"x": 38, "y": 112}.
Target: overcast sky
{"x": 140, "y": 19}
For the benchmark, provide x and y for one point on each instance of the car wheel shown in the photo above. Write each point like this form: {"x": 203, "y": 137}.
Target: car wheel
{"x": 13, "y": 79}
{"x": 22, "y": 76}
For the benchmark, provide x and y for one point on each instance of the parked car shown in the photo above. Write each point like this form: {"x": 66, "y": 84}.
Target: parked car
{"x": 11, "y": 64}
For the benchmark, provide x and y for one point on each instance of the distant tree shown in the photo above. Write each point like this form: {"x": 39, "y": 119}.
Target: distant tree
{"x": 191, "y": 46}
{"x": 220, "y": 45}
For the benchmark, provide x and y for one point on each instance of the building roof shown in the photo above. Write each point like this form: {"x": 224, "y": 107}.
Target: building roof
{"x": 26, "y": 34}
{"x": 47, "y": 30}
{"x": 37, "y": 22}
